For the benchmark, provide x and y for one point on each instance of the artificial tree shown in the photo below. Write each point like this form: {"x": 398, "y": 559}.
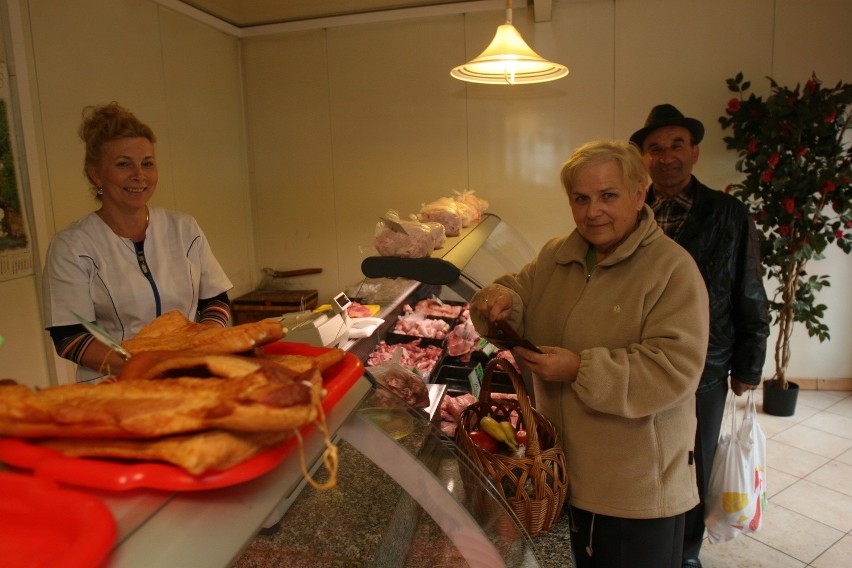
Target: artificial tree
{"x": 793, "y": 148}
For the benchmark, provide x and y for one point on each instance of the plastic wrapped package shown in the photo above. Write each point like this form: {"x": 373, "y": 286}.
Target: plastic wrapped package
{"x": 439, "y": 234}
{"x": 406, "y": 239}
{"x": 445, "y": 211}
{"x": 402, "y": 382}
{"x": 479, "y": 205}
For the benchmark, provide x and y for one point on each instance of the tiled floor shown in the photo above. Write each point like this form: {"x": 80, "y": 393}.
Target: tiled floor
{"x": 808, "y": 521}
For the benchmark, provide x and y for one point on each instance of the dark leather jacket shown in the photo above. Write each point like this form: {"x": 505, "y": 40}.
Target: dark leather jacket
{"x": 722, "y": 238}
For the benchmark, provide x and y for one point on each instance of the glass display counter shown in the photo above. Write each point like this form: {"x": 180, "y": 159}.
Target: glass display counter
{"x": 404, "y": 497}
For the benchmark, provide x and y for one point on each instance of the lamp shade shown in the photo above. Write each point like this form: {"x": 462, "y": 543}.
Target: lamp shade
{"x": 509, "y": 60}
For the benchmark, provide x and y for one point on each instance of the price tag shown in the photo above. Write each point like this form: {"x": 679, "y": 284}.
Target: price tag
{"x": 486, "y": 347}
{"x": 475, "y": 379}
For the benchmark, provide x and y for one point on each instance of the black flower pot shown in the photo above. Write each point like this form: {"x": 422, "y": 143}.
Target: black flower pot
{"x": 778, "y": 401}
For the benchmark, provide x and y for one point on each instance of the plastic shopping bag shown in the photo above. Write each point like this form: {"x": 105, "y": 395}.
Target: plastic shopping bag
{"x": 736, "y": 496}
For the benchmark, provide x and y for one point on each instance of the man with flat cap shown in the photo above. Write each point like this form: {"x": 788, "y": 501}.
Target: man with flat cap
{"x": 720, "y": 235}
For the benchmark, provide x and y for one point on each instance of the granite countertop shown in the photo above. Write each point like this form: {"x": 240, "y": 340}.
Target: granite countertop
{"x": 367, "y": 519}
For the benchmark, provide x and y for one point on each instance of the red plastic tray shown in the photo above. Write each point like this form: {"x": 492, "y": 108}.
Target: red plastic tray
{"x": 113, "y": 475}
{"x": 42, "y": 525}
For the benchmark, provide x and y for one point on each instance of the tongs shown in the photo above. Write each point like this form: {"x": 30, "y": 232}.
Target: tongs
{"x": 102, "y": 336}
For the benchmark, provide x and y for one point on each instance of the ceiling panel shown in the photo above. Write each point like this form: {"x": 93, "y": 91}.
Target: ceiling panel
{"x": 247, "y": 13}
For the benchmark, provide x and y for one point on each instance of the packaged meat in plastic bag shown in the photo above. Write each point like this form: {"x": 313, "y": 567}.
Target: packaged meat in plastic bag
{"x": 478, "y": 204}
{"x": 404, "y": 383}
{"x": 447, "y": 212}
{"x": 406, "y": 239}
{"x": 439, "y": 233}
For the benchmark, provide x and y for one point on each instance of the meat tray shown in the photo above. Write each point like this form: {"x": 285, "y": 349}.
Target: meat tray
{"x": 456, "y": 379}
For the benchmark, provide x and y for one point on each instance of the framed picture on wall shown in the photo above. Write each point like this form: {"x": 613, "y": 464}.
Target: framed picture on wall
{"x": 16, "y": 255}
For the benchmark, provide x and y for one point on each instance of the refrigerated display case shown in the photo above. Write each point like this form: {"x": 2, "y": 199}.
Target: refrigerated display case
{"x": 466, "y": 263}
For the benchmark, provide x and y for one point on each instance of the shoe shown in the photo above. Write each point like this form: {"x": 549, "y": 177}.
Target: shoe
{"x": 692, "y": 563}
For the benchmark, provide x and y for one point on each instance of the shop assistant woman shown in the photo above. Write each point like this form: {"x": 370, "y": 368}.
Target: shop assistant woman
{"x": 128, "y": 262}
{"x": 621, "y": 314}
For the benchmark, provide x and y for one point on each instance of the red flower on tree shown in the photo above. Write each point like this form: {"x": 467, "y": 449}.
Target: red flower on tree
{"x": 789, "y": 205}
{"x": 733, "y": 105}
{"x": 828, "y": 186}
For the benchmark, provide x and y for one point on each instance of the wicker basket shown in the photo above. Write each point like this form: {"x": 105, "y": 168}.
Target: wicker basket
{"x": 535, "y": 485}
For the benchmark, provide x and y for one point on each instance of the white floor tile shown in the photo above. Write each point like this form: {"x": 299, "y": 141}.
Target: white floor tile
{"x": 846, "y": 457}
{"x": 772, "y": 425}
{"x": 819, "y": 399}
{"x": 746, "y": 552}
{"x": 836, "y": 424}
{"x": 817, "y": 502}
{"x": 834, "y": 475}
{"x": 814, "y": 441}
{"x": 795, "y": 534}
{"x": 844, "y": 407}
{"x": 792, "y": 460}
{"x": 777, "y": 481}
{"x": 839, "y": 555}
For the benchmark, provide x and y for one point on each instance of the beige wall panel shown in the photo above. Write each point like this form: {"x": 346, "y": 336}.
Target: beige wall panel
{"x": 813, "y": 37}
{"x": 330, "y": 157}
{"x": 207, "y": 163}
{"x": 287, "y": 110}
{"x": 520, "y": 135}
{"x": 92, "y": 52}
{"x": 398, "y": 129}
{"x": 21, "y": 357}
{"x": 670, "y": 51}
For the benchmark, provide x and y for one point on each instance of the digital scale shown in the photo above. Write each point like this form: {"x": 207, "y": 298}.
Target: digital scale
{"x": 327, "y": 327}
{"x": 323, "y": 328}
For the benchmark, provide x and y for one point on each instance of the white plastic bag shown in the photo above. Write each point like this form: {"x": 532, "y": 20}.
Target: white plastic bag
{"x": 736, "y": 496}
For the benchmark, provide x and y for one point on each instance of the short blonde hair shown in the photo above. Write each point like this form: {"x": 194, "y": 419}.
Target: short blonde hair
{"x": 104, "y": 123}
{"x": 626, "y": 155}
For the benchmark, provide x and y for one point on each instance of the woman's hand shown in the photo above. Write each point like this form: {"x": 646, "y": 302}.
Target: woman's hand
{"x": 555, "y": 364}
{"x": 101, "y": 358}
{"x": 494, "y": 303}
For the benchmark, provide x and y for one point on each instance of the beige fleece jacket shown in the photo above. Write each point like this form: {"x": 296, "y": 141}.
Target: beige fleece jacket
{"x": 640, "y": 325}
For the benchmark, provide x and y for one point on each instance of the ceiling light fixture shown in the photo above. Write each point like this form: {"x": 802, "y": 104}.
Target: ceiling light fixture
{"x": 508, "y": 60}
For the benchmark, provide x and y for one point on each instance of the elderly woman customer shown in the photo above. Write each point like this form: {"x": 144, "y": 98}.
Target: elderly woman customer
{"x": 127, "y": 262}
{"x": 621, "y": 314}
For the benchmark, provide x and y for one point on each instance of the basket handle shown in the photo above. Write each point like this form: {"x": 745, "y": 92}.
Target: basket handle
{"x": 523, "y": 398}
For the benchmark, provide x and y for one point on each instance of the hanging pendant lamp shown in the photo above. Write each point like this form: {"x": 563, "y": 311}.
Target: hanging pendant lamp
{"x": 508, "y": 60}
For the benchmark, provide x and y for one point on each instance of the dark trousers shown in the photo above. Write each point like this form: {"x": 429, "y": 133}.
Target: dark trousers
{"x": 599, "y": 541}
{"x": 709, "y": 410}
